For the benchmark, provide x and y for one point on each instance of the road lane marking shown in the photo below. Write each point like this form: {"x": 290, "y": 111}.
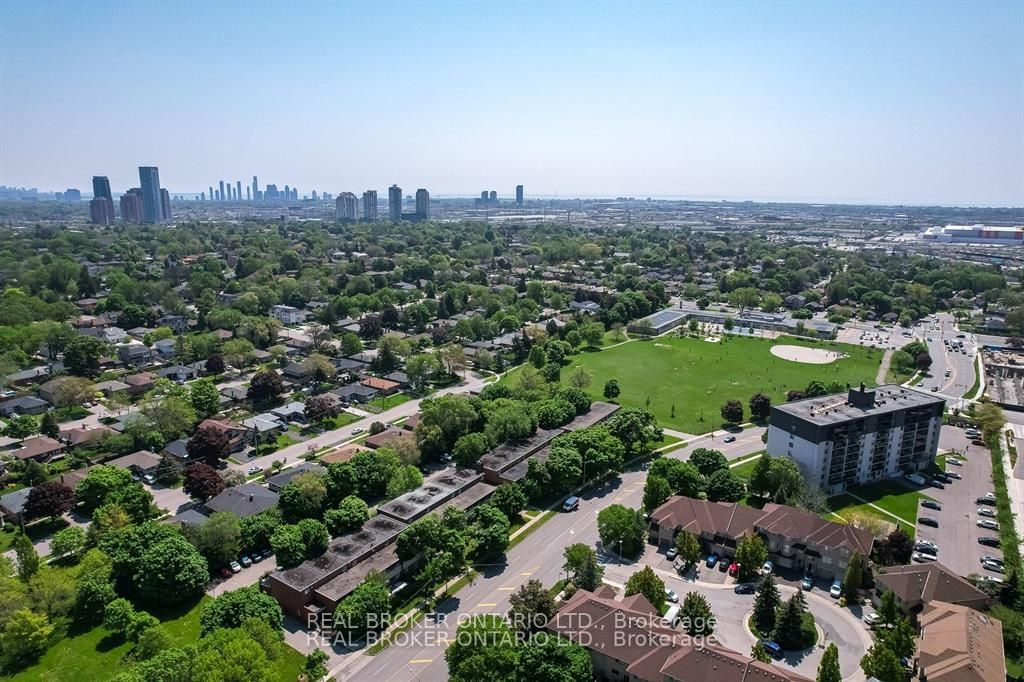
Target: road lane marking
{"x": 487, "y": 604}
{"x": 421, "y": 660}
{"x": 505, "y": 589}
{"x": 526, "y": 573}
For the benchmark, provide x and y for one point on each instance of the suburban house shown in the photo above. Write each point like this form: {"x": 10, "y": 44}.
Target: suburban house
{"x": 176, "y": 323}
{"x": 109, "y": 388}
{"x": 280, "y": 480}
{"x": 286, "y": 314}
{"x": 587, "y": 307}
{"x": 959, "y": 644}
{"x": 795, "y": 538}
{"x": 139, "y": 463}
{"x": 916, "y": 585}
{"x": 355, "y": 393}
{"x": 83, "y": 435}
{"x": 40, "y": 448}
{"x": 237, "y": 435}
{"x": 627, "y": 640}
{"x": 296, "y": 373}
{"x": 12, "y": 505}
{"x": 165, "y": 348}
{"x": 26, "y": 404}
{"x": 178, "y": 373}
{"x": 384, "y": 386}
{"x": 243, "y": 500}
{"x": 385, "y": 437}
{"x": 264, "y": 425}
{"x": 291, "y": 412}
{"x": 139, "y": 383}
{"x": 135, "y": 354}
{"x": 343, "y": 454}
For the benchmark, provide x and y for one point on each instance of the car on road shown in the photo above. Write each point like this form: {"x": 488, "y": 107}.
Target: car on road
{"x": 711, "y": 561}
{"x": 773, "y": 649}
{"x": 931, "y": 504}
{"x": 671, "y": 553}
{"x": 988, "y": 541}
{"x": 671, "y": 595}
{"x": 245, "y": 561}
{"x": 935, "y": 389}
{"x": 767, "y": 567}
{"x": 356, "y": 431}
{"x": 988, "y": 523}
{"x": 922, "y": 557}
{"x": 253, "y": 470}
{"x": 928, "y": 521}
{"x": 836, "y": 589}
{"x": 985, "y": 511}
{"x": 730, "y": 439}
{"x": 235, "y": 567}
{"x": 954, "y": 461}
{"x": 571, "y": 504}
{"x": 744, "y": 588}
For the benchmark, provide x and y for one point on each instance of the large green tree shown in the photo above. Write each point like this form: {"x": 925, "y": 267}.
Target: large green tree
{"x": 621, "y": 529}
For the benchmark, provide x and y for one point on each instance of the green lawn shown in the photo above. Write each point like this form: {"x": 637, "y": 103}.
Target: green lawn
{"x": 697, "y": 377}
{"x": 91, "y": 655}
{"x": 66, "y": 414}
{"x": 892, "y": 496}
{"x": 282, "y": 440}
{"x": 745, "y": 470}
{"x": 387, "y": 402}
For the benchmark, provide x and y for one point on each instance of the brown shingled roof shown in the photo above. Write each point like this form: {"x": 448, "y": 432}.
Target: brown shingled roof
{"x": 917, "y": 584}
{"x": 959, "y": 644}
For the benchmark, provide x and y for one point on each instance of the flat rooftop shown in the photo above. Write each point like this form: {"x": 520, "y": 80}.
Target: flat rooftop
{"x": 663, "y": 317}
{"x": 599, "y": 411}
{"x": 857, "y": 404}
{"x": 342, "y": 553}
{"x": 343, "y": 584}
{"x": 436, "y": 488}
{"x": 478, "y": 492}
{"x": 510, "y": 454}
{"x": 519, "y": 471}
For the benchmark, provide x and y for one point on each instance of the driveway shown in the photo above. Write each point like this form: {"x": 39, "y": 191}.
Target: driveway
{"x": 958, "y": 533}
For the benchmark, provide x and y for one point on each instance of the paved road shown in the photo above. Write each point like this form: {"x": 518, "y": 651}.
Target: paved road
{"x": 420, "y": 653}
{"x": 960, "y": 365}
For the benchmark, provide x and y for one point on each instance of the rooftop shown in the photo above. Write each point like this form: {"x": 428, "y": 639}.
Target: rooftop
{"x": 510, "y": 454}
{"x": 959, "y": 644}
{"x": 598, "y": 412}
{"x": 917, "y": 584}
{"x": 857, "y": 404}
{"x": 435, "y": 490}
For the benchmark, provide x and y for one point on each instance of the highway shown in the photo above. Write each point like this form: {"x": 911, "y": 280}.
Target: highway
{"x": 961, "y": 365}
{"x": 419, "y": 655}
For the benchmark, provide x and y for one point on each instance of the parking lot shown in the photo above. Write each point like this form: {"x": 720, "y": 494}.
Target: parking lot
{"x": 958, "y": 532}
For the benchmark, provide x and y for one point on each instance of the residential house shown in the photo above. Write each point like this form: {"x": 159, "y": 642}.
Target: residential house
{"x": 287, "y": 315}
{"x": 959, "y": 644}
{"x": 383, "y": 386}
{"x": 280, "y": 480}
{"x": 343, "y": 454}
{"x": 386, "y": 436}
{"x": 176, "y": 323}
{"x": 238, "y": 435}
{"x": 178, "y": 373}
{"x": 79, "y": 436}
{"x": 795, "y": 538}
{"x": 296, "y": 373}
{"x": 136, "y": 354}
{"x": 586, "y": 307}
{"x": 178, "y": 449}
{"x": 165, "y": 348}
{"x": 139, "y": 463}
{"x": 915, "y": 585}
{"x": 40, "y": 448}
{"x": 234, "y": 394}
{"x": 28, "y": 376}
{"x": 26, "y": 404}
{"x": 140, "y": 383}
{"x": 355, "y": 393}
{"x": 291, "y": 412}
{"x": 243, "y": 500}
{"x": 12, "y": 505}
{"x": 263, "y": 426}
{"x": 109, "y": 388}
{"x": 108, "y": 335}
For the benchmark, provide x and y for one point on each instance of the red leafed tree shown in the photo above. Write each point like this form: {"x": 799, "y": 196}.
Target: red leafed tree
{"x": 48, "y": 499}
{"x": 203, "y": 482}
{"x": 208, "y": 444}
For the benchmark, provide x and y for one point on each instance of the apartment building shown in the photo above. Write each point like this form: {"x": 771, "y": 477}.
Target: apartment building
{"x": 841, "y": 441}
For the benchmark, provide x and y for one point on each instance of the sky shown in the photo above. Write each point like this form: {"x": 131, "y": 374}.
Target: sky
{"x": 869, "y": 102}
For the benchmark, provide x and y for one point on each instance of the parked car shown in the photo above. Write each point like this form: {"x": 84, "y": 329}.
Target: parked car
{"x": 671, "y": 595}
{"x": 150, "y": 479}
{"x": 926, "y": 546}
{"x": 988, "y": 523}
{"x": 992, "y": 559}
{"x": 988, "y": 541}
{"x": 928, "y": 521}
{"x": 931, "y": 504}
{"x": 836, "y": 589}
{"x": 872, "y": 619}
{"x": 936, "y": 483}
{"x": 943, "y": 477}
{"x": 267, "y": 553}
{"x": 773, "y": 649}
{"x": 922, "y": 557}
{"x": 744, "y": 588}
{"x": 916, "y": 479}
{"x": 245, "y": 561}
{"x": 954, "y": 461}
{"x": 711, "y": 561}
{"x": 356, "y": 431}
{"x": 734, "y": 569}
{"x": 671, "y": 553}
{"x": 723, "y": 565}
{"x": 990, "y": 501}
{"x": 225, "y": 572}
{"x": 730, "y": 439}
{"x": 953, "y": 474}
{"x": 992, "y": 566}
{"x": 235, "y": 567}
{"x": 807, "y": 584}
{"x": 985, "y": 511}
{"x": 253, "y": 470}
{"x": 767, "y": 567}
{"x": 257, "y": 557}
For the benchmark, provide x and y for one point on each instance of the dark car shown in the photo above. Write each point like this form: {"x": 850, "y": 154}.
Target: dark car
{"x": 712, "y": 560}
{"x": 928, "y": 521}
{"x": 931, "y": 504}
{"x": 986, "y": 500}
{"x": 744, "y": 588}
{"x": 773, "y": 649}
{"x": 723, "y": 566}
{"x": 944, "y": 478}
{"x": 937, "y": 484}
{"x": 952, "y": 475}
{"x": 988, "y": 541}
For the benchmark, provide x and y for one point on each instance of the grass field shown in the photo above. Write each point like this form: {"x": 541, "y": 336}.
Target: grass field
{"x": 697, "y": 377}
{"x": 91, "y": 655}
{"x": 892, "y": 496}
{"x": 387, "y": 402}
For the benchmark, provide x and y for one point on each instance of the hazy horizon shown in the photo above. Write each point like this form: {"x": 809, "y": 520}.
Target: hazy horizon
{"x": 791, "y": 102}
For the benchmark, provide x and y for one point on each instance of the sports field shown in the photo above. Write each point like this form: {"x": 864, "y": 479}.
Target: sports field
{"x": 696, "y": 377}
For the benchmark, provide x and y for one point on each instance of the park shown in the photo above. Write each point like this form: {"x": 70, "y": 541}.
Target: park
{"x": 684, "y": 381}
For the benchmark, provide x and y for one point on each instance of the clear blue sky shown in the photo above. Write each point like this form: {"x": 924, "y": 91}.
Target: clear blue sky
{"x": 876, "y": 102}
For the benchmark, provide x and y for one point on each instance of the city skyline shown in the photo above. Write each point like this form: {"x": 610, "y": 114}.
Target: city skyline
{"x": 827, "y": 102}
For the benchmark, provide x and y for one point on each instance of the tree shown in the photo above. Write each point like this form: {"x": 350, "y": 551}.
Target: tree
{"x": 314, "y": 537}
{"x": 789, "y": 625}
{"x": 265, "y": 387}
{"x": 491, "y": 529}
{"x": 725, "y": 486}
{"x": 634, "y": 426}
{"x": 687, "y": 549}
{"x": 366, "y": 608}
{"x": 350, "y": 515}
{"x": 218, "y": 538}
{"x": 82, "y": 355}
{"x": 69, "y": 390}
{"x": 204, "y": 396}
{"x": 231, "y": 654}
{"x": 233, "y": 608}
{"x": 25, "y": 636}
{"x": 303, "y": 497}
{"x": 760, "y": 406}
{"x": 484, "y": 648}
{"x": 611, "y": 389}
{"x": 888, "y": 609}
{"x": 21, "y": 427}
{"x": 532, "y": 607}
{"x": 896, "y": 549}
{"x": 28, "y": 559}
{"x": 696, "y": 615}
{"x": 319, "y": 367}
{"x": 209, "y": 444}
{"x": 853, "y": 579}
{"x": 766, "y": 604}
{"x": 828, "y": 668}
{"x": 315, "y": 668}
{"x": 510, "y": 499}
{"x": 732, "y": 411}
{"x": 682, "y": 477}
{"x": 759, "y": 653}
{"x": 320, "y": 408}
{"x": 899, "y": 638}
{"x": 351, "y": 344}
{"x": 215, "y": 364}
{"x": 656, "y": 491}
{"x": 202, "y": 481}
{"x": 67, "y": 541}
{"x": 751, "y": 553}
{"x": 550, "y": 658}
{"x": 48, "y": 425}
{"x": 646, "y": 582}
{"x": 170, "y": 571}
{"x": 708, "y": 461}
{"x": 621, "y": 528}
{"x": 52, "y": 591}
{"x": 51, "y": 499}
{"x": 882, "y": 664}
{"x": 470, "y": 448}
{"x": 580, "y": 377}
{"x": 288, "y": 546}
{"x": 582, "y": 566}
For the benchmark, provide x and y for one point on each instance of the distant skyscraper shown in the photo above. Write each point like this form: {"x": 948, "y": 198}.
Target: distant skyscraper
{"x": 211, "y": 194}
{"x": 132, "y": 206}
{"x": 287, "y": 193}
{"x": 423, "y": 204}
{"x": 494, "y": 197}
{"x": 248, "y": 194}
{"x": 149, "y": 180}
{"x": 101, "y": 208}
{"x": 346, "y": 206}
{"x": 395, "y": 203}
{"x": 483, "y": 196}
{"x": 165, "y": 204}
{"x": 220, "y": 194}
{"x": 519, "y": 195}
{"x": 101, "y": 187}
{"x": 370, "y": 204}
{"x": 238, "y": 190}
{"x": 314, "y": 195}
{"x": 255, "y": 189}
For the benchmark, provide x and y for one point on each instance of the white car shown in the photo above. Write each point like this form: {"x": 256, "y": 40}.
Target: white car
{"x": 986, "y": 511}
{"x": 954, "y": 461}
{"x": 356, "y": 431}
{"x": 767, "y": 567}
{"x": 671, "y": 595}
{"x": 988, "y": 523}
{"x": 872, "y": 619}
{"x": 922, "y": 557}
{"x": 253, "y": 470}
{"x": 836, "y": 589}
